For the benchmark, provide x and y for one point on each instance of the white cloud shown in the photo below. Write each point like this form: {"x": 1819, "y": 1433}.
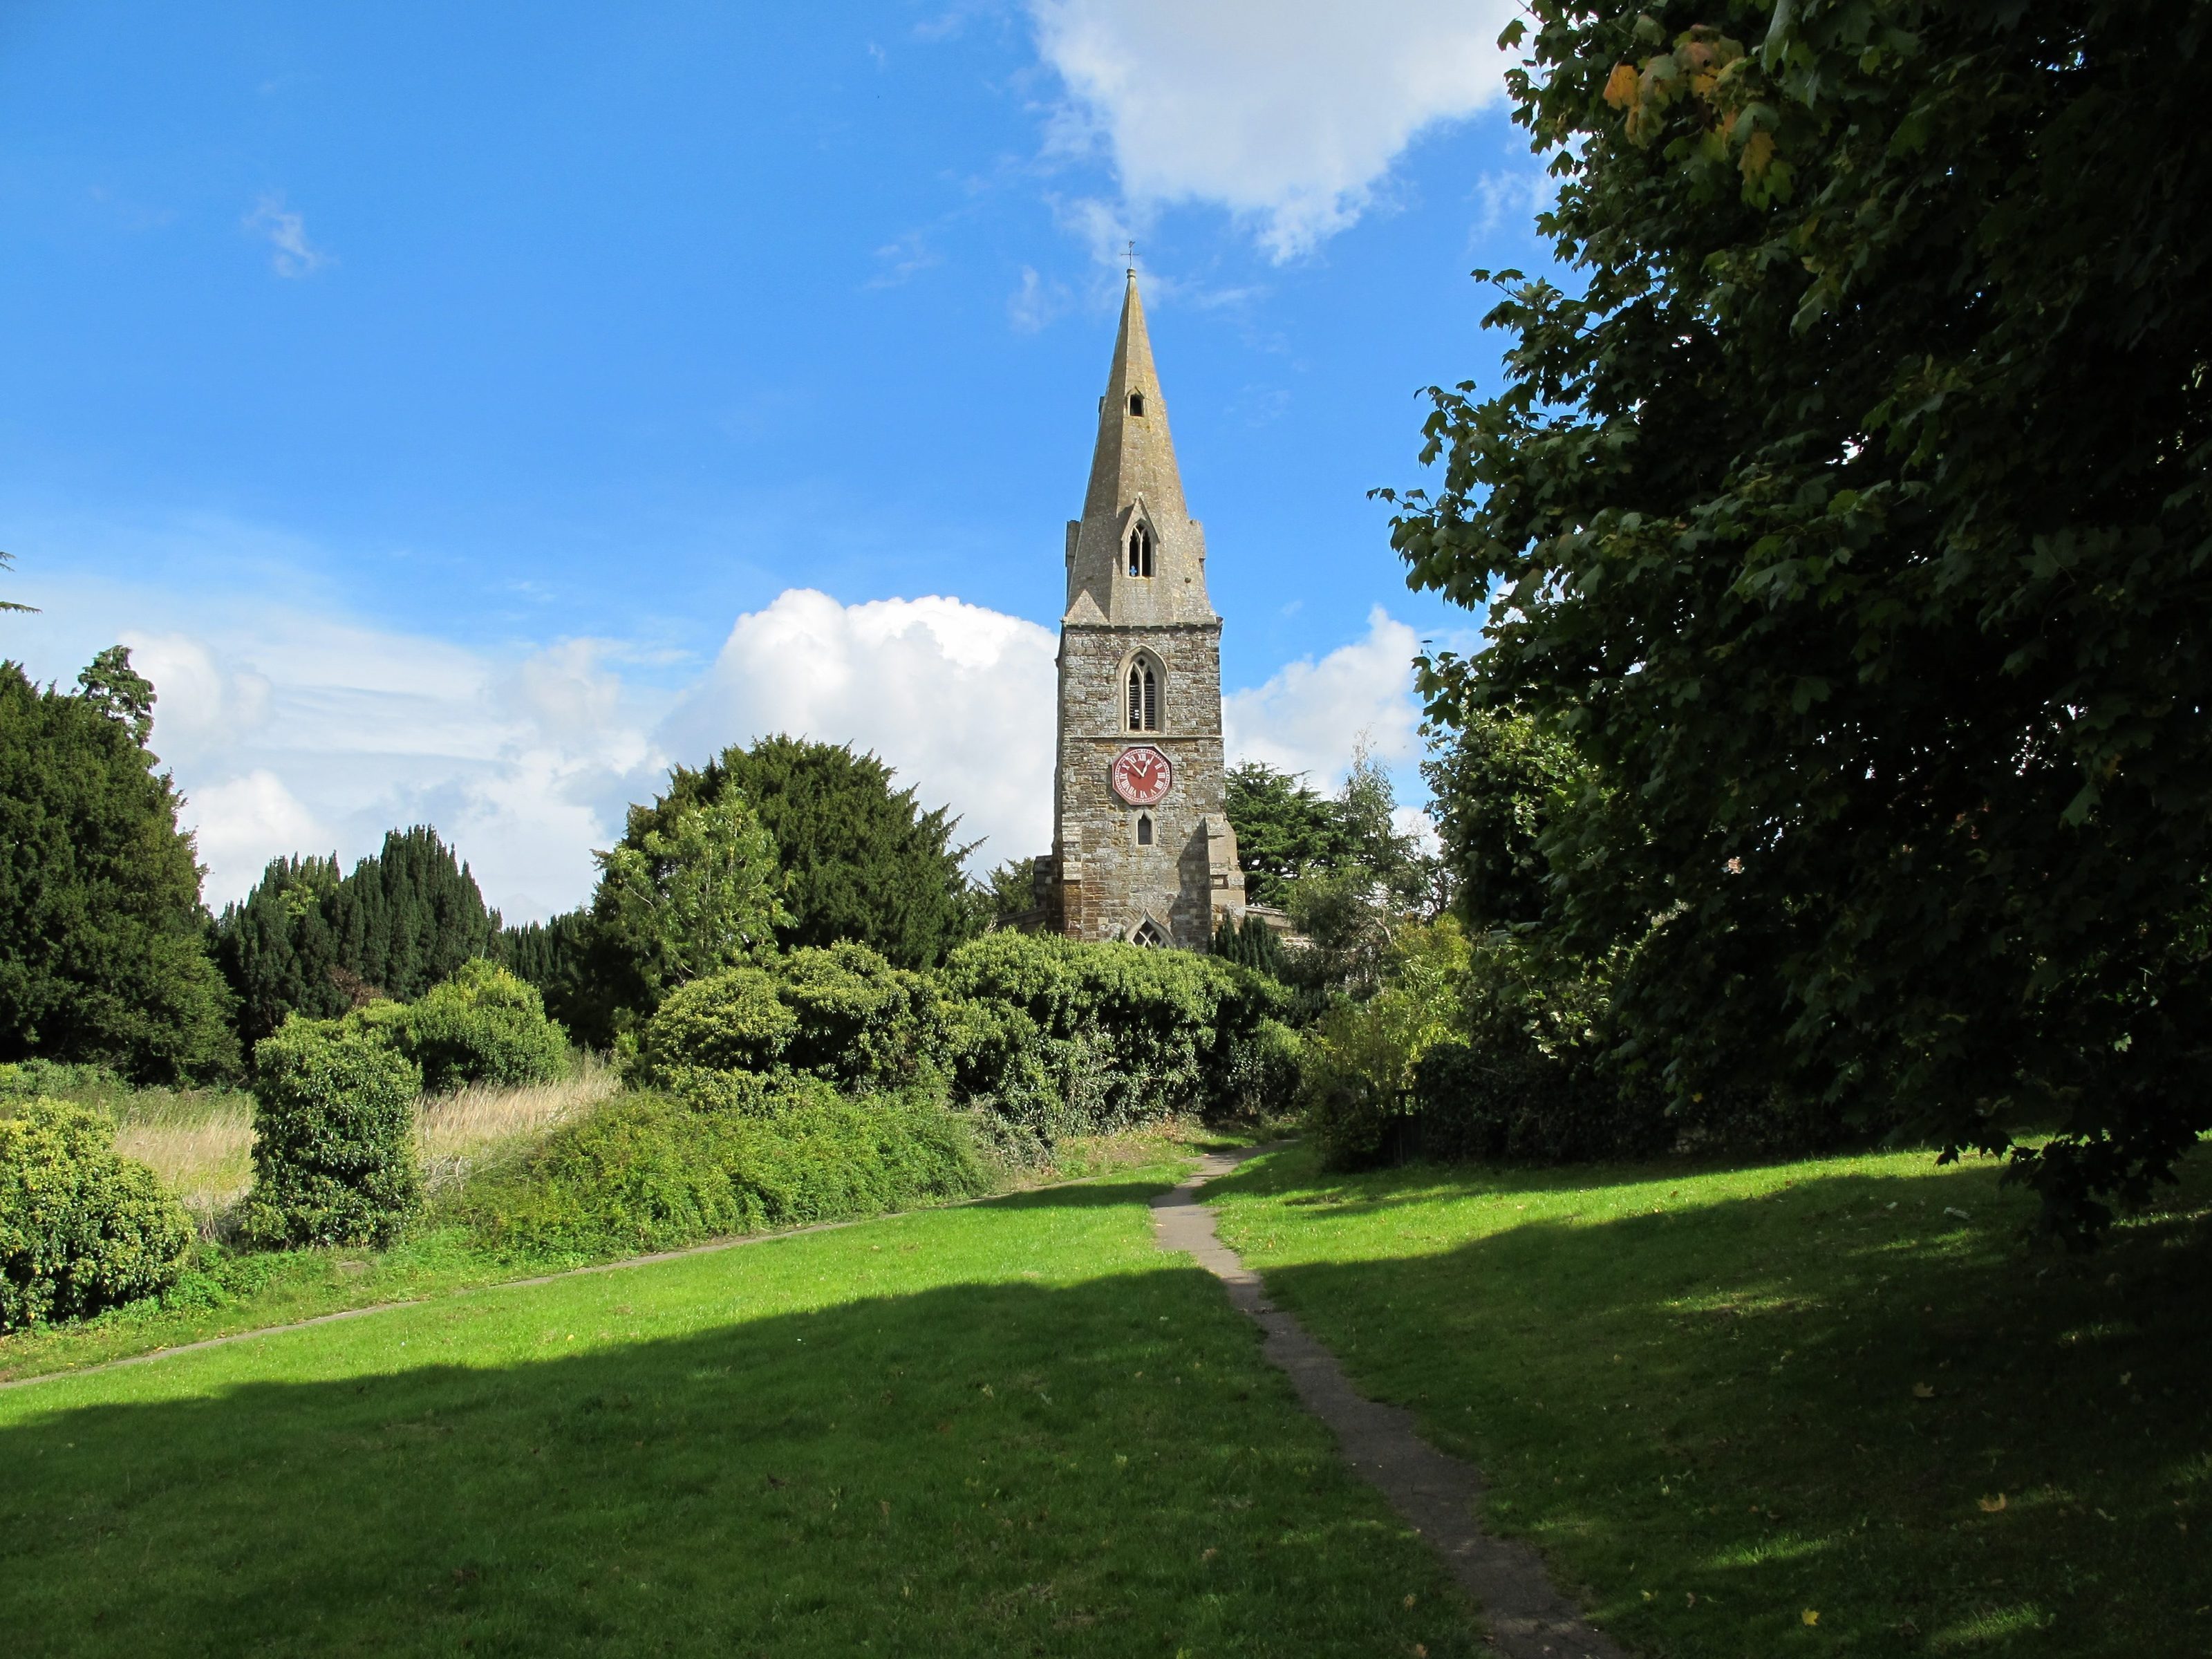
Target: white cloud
{"x": 290, "y": 729}
{"x": 286, "y": 233}
{"x": 1311, "y": 715}
{"x": 1287, "y": 113}
{"x": 957, "y": 699}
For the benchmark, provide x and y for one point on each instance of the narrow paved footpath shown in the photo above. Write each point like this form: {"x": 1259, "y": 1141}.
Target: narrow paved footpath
{"x": 1439, "y": 1496}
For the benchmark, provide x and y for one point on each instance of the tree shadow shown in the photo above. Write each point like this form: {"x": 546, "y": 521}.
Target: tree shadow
{"x": 1840, "y": 1395}
{"x": 1104, "y": 1467}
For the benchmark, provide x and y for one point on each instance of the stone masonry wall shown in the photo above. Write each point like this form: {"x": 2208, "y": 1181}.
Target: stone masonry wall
{"x": 1106, "y": 883}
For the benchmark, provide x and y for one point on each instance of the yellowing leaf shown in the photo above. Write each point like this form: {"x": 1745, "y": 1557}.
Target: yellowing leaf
{"x": 1621, "y": 86}
{"x": 1991, "y": 1505}
{"x": 1922, "y": 1391}
{"x": 1758, "y": 155}
{"x": 1811, "y": 1615}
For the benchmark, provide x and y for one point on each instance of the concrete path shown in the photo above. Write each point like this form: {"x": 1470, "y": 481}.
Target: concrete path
{"x": 1440, "y": 1496}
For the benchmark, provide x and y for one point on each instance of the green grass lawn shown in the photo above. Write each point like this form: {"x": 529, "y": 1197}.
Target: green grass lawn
{"x": 1005, "y": 1429}
{"x": 227, "y": 1291}
{"x": 1724, "y": 1403}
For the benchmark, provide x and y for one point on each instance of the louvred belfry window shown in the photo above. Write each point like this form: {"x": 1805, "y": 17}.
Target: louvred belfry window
{"x": 1144, "y": 697}
{"x": 1141, "y": 551}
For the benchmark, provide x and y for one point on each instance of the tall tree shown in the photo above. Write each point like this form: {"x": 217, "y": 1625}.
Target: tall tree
{"x": 1285, "y": 829}
{"x": 103, "y": 948}
{"x": 689, "y": 899}
{"x": 304, "y": 941}
{"x": 1497, "y": 783}
{"x": 277, "y": 950}
{"x": 1855, "y": 518}
{"x": 861, "y": 859}
{"x": 408, "y": 917}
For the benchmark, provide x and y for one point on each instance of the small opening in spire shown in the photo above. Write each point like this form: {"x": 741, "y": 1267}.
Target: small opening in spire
{"x": 1140, "y": 549}
{"x": 1136, "y": 402}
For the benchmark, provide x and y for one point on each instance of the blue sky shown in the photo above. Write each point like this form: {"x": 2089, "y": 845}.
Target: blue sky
{"x": 465, "y": 411}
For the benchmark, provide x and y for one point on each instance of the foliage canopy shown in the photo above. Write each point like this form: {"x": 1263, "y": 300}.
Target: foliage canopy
{"x": 1852, "y": 519}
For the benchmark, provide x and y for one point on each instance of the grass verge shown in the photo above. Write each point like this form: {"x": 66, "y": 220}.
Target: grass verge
{"x": 1824, "y": 1407}
{"x": 1012, "y": 1427}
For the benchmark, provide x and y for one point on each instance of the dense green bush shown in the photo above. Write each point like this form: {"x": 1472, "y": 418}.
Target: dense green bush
{"x": 334, "y": 1136}
{"x": 1062, "y": 1038}
{"x": 648, "y": 1171}
{"x": 859, "y": 1020}
{"x": 482, "y": 1025}
{"x": 1356, "y": 1070}
{"x": 1262, "y": 1073}
{"x": 732, "y": 1021}
{"x": 80, "y": 1227}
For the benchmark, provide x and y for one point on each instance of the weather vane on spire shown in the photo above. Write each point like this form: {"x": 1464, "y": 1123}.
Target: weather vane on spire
{"x": 1132, "y": 258}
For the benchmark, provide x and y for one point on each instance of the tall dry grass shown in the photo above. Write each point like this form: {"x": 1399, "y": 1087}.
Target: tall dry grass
{"x": 200, "y": 1142}
{"x": 459, "y": 1132}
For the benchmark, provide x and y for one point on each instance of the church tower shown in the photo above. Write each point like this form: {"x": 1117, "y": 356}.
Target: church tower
{"x": 1142, "y": 849}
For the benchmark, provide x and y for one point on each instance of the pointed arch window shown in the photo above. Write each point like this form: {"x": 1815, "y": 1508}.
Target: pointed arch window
{"x": 1144, "y": 696}
{"x": 1137, "y": 403}
{"x": 1144, "y": 829}
{"x": 1140, "y": 549}
{"x": 1150, "y": 934}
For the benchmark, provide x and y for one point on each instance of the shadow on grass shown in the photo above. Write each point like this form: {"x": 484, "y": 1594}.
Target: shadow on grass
{"x": 1105, "y": 1467}
{"x": 1826, "y": 1395}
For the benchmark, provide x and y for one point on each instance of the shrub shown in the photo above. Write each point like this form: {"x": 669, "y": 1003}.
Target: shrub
{"x": 859, "y": 1020}
{"x": 1064, "y": 1037}
{"x": 1358, "y": 1062}
{"x": 732, "y": 1021}
{"x": 646, "y": 1171}
{"x": 80, "y": 1228}
{"x": 334, "y": 1136}
{"x": 482, "y": 1025}
{"x": 1262, "y": 1072}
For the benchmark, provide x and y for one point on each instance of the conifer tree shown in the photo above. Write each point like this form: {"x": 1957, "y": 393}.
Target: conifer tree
{"x": 103, "y": 951}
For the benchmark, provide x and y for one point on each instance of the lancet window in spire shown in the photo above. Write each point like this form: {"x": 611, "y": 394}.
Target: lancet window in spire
{"x": 1144, "y": 697}
{"x": 1140, "y": 549}
{"x": 1137, "y": 403}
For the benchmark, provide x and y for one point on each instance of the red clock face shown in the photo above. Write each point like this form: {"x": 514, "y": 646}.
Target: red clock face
{"x": 1141, "y": 775}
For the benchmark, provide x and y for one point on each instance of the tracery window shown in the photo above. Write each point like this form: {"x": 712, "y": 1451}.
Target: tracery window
{"x": 1144, "y": 696}
{"x": 1150, "y": 934}
{"x": 1140, "y": 549}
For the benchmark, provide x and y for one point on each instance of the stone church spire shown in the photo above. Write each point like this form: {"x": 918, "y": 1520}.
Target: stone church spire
{"x": 1136, "y": 555}
{"x": 1142, "y": 848}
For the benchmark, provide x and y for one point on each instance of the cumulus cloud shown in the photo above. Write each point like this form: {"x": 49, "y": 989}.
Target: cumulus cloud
{"x": 956, "y": 698}
{"x": 286, "y": 233}
{"x": 1311, "y": 715}
{"x": 291, "y": 730}
{"x": 1287, "y": 113}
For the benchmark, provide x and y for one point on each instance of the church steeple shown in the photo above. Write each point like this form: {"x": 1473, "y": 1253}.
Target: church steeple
{"x": 1136, "y": 555}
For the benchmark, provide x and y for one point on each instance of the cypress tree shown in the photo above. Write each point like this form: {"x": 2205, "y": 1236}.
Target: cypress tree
{"x": 276, "y": 949}
{"x": 304, "y": 941}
